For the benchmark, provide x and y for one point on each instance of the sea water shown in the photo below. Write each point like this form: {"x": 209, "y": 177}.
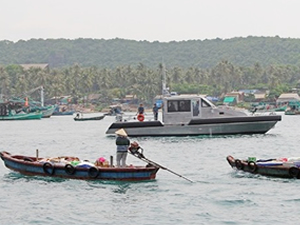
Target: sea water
{"x": 218, "y": 195}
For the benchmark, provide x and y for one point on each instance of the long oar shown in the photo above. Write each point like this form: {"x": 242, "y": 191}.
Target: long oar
{"x": 143, "y": 158}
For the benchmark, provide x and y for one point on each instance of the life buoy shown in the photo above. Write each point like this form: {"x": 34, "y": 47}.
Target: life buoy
{"x": 252, "y": 166}
{"x": 294, "y": 172}
{"x": 69, "y": 169}
{"x": 238, "y": 164}
{"x": 140, "y": 117}
{"x": 93, "y": 172}
{"x": 48, "y": 168}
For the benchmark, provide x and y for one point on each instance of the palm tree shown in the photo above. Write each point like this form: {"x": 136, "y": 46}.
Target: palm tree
{"x": 57, "y": 86}
{"x": 21, "y": 85}
{"x": 4, "y": 82}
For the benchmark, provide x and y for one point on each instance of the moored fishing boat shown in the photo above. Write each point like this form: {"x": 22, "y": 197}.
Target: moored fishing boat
{"x": 21, "y": 116}
{"x": 281, "y": 167}
{"x": 13, "y": 111}
{"x": 73, "y": 168}
{"x": 63, "y": 111}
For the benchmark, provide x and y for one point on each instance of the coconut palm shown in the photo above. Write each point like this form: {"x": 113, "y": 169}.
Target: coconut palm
{"x": 4, "y": 82}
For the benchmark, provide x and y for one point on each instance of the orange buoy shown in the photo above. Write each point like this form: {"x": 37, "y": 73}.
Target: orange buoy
{"x": 140, "y": 117}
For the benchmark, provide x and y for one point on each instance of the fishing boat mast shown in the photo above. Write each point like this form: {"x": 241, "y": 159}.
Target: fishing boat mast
{"x": 42, "y": 93}
{"x": 42, "y": 96}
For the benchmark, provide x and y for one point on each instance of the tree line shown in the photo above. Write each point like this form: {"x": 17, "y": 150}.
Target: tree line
{"x": 145, "y": 82}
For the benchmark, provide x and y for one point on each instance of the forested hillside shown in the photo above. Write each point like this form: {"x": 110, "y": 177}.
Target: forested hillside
{"x": 116, "y": 52}
{"x": 115, "y": 68}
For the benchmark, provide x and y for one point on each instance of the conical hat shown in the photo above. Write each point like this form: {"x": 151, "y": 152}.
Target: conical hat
{"x": 121, "y": 132}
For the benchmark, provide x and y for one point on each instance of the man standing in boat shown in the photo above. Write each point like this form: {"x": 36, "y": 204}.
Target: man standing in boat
{"x": 155, "y": 111}
{"x": 141, "y": 109}
{"x": 122, "y": 143}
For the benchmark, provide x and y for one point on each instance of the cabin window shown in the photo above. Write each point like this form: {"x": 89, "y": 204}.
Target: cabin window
{"x": 179, "y": 106}
{"x": 196, "y": 105}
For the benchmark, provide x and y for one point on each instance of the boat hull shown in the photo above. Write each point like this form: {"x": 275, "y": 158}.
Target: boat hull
{"x": 27, "y": 116}
{"x": 30, "y": 166}
{"x": 267, "y": 169}
{"x": 48, "y": 112}
{"x": 90, "y": 118}
{"x": 67, "y": 113}
{"x": 213, "y": 126}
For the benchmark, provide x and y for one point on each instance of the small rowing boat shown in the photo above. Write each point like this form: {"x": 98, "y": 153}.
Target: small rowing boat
{"x": 282, "y": 167}
{"x": 73, "y": 168}
{"x": 79, "y": 117}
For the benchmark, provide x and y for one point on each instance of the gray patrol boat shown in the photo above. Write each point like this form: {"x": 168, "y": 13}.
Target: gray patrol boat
{"x": 192, "y": 115}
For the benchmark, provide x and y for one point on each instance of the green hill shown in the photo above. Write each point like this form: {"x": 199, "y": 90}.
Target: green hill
{"x": 115, "y": 52}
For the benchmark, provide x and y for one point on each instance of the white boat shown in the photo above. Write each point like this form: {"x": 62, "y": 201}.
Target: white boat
{"x": 187, "y": 115}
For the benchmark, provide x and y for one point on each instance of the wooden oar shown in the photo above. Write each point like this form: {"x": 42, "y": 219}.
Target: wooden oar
{"x": 141, "y": 156}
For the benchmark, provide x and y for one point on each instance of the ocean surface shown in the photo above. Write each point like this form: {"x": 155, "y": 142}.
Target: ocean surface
{"x": 218, "y": 195}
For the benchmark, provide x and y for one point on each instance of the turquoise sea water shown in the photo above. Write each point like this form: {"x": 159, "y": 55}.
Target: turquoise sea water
{"x": 219, "y": 194}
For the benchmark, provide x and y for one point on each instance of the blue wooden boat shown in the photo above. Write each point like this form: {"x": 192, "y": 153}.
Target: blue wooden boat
{"x": 66, "y": 113}
{"x": 62, "y": 112}
{"x": 68, "y": 167}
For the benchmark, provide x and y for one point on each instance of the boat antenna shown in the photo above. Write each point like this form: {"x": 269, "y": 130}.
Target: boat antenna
{"x": 164, "y": 89}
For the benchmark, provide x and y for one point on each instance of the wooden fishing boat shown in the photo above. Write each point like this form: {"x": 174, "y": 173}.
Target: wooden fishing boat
{"x": 292, "y": 112}
{"x": 13, "y": 111}
{"x": 79, "y": 117}
{"x": 74, "y": 168}
{"x": 21, "y": 116}
{"x": 282, "y": 168}
{"x": 62, "y": 111}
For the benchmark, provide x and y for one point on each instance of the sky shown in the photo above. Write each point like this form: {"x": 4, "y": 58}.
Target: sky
{"x": 150, "y": 20}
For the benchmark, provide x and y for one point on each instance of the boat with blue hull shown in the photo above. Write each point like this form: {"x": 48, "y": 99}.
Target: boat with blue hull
{"x": 72, "y": 168}
{"x": 192, "y": 115}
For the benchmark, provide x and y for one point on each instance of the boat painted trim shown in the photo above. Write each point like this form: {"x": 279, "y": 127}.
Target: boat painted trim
{"x": 235, "y": 119}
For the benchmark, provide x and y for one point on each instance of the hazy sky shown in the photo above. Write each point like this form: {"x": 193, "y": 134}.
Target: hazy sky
{"x": 151, "y": 20}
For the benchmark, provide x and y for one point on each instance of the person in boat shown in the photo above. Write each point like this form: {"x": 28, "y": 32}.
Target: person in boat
{"x": 155, "y": 111}
{"x": 141, "y": 109}
{"x": 135, "y": 150}
{"x": 122, "y": 143}
{"x": 78, "y": 115}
